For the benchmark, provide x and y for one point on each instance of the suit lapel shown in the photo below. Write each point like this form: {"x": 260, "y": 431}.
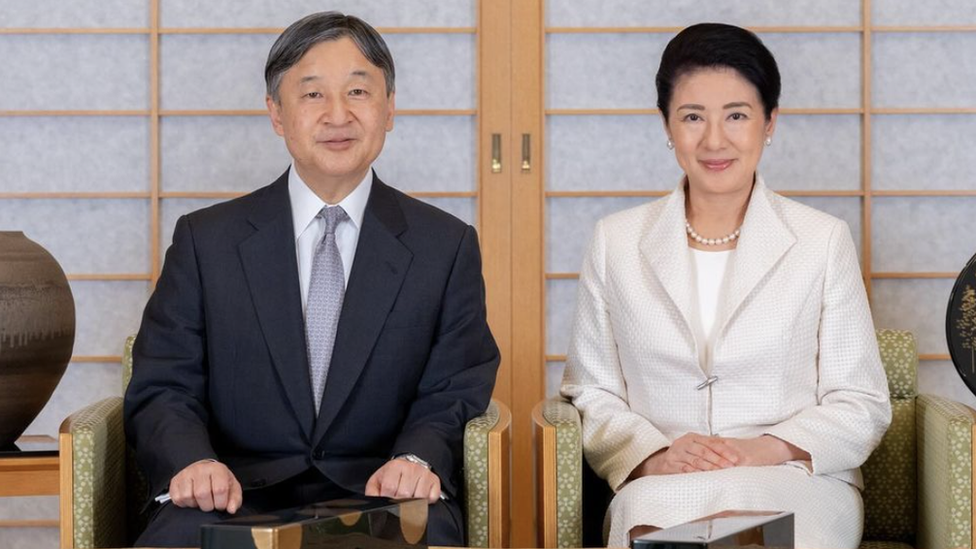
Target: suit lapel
{"x": 378, "y": 271}
{"x": 665, "y": 250}
{"x": 271, "y": 268}
{"x": 765, "y": 240}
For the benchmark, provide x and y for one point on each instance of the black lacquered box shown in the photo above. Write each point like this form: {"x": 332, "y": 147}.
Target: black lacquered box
{"x": 367, "y": 523}
{"x": 725, "y": 529}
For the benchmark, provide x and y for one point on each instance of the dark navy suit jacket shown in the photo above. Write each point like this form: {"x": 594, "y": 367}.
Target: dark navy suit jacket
{"x": 220, "y": 367}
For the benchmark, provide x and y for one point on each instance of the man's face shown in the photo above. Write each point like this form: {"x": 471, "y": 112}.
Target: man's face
{"x": 333, "y": 111}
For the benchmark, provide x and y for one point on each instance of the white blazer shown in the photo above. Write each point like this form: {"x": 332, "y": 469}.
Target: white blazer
{"x": 795, "y": 350}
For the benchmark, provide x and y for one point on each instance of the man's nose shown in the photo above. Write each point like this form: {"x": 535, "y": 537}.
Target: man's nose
{"x": 336, "y": 111}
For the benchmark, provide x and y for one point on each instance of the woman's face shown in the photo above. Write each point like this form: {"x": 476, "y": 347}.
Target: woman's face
{"x": 718, "y": 126}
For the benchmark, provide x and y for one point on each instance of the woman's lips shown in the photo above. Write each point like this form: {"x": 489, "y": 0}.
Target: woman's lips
{"x": 716, "y": 165}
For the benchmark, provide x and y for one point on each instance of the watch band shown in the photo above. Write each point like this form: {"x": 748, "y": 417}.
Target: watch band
{"x": 412, "y": 458}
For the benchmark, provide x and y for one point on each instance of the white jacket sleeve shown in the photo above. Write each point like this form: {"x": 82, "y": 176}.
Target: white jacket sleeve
{"x": 615, "y": 439}
{"x": 853, "y": 410}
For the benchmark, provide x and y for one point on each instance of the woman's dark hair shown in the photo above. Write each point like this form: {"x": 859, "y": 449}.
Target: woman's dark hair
{"x": 714, "y": 46}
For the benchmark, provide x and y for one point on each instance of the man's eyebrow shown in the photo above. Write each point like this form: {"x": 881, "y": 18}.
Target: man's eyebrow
{"x": 306, "y": 79}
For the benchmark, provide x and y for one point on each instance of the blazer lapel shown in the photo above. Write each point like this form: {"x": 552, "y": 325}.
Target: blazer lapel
{"x": 765, "y": 240}
{"x": 665, "y": 250}
{"x": 377, "y": 273}
{"x": 271, "y": 267}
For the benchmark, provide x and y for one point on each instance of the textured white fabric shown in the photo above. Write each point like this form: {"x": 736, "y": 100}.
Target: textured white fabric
{"x": 309, "y": 228}
{"x": 795, "y": 353}
{"x": 827, "y": 513}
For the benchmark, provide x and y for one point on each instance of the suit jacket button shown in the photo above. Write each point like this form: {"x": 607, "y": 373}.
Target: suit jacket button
{"x": 318, "y": 453}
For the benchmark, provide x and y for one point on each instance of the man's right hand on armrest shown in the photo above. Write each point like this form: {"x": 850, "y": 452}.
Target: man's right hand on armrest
{"x": 208, "y": 485}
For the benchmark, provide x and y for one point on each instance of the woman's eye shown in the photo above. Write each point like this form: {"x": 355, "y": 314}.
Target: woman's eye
{"x": 737, "y": 116}
{"x": 692, "y": 117}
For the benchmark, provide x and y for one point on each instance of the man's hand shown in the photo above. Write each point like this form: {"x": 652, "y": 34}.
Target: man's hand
{"x": 764, "y": 450}
{"x": 689, "y": 453}
{"x": 207, "y": 485}
{"x": 401, "y": 479}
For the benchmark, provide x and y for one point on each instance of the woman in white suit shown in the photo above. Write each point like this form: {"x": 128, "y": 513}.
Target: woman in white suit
{"x": 723, "y": 354}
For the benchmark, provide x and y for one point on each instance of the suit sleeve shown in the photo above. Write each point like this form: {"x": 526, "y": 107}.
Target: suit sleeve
{"x": 853, "y": 410}
{"x": 165, "y": 410}
{"x": 459, "y": 376}
{"x": 615, "y": 439}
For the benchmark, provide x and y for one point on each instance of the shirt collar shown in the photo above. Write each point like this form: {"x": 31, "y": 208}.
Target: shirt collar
{"x": 305, "y": 204}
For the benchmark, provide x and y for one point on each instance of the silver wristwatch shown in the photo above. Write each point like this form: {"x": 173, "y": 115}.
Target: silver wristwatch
{"x": 412, "y": 458}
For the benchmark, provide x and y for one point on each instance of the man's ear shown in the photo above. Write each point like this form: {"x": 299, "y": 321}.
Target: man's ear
{"x": 391, "y": 105}
{"x": 274, "y": 112}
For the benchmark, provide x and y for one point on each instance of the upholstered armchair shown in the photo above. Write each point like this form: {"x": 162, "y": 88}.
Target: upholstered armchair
{"x": 918, "y": 482}
{"x": 102, "y": 490}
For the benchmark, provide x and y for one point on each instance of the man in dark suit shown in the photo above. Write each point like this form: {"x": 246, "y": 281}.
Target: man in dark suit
{"x": 321, "y": 337}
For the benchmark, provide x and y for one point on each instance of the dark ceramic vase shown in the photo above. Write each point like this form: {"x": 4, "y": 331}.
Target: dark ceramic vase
{"x": 37, "y": 331}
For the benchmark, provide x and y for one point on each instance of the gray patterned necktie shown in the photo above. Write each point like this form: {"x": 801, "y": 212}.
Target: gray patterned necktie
{"x": 326, "y": 288}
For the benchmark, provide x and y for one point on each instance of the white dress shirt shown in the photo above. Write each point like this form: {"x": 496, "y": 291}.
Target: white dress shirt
{"x": 305, "y": 205}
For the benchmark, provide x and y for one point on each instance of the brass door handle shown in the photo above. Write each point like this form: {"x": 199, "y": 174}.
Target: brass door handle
{"x": 526, "y": 152}
{"x": 496, "y": 153}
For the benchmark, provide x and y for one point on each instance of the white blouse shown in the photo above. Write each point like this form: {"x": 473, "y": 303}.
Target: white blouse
{"x": 710, "y": 269}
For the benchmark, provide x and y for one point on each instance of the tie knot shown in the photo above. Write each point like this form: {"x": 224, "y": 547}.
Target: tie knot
{"x": 333, "y": 215}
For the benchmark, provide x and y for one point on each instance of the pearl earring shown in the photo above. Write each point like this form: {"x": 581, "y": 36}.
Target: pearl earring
{"x": 670, "y": 145}
{"x": 769, "y": 141}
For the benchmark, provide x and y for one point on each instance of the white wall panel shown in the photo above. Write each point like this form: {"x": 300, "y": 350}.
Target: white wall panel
{"x": 85, "y": 236}
{"x": 667, "y": 13}
{"x": 281, "y": 13}
{"x": 83, "y": 154}
{"x": 65, "y": 72}
{"x": 917, "y": 305}
{"x": 554, "y": 378}
{"x": 924, "y": 70}
{"x": 222, "y": 71}
{"x": 465, "y": 209}
{"x": 927, "y": 152}
{"x": 591, "y": 153}
{"x": 602, "y": 70}
{"x": 569, "y": 227}
{"x": 76, "y": 13}
{"x": 922, "y": 234}
{"x": 434, "y": 71}
{"x": 819, "y": 70}
{"x": 430, "y": 153}
{"x": 83, "y": 383}
{"x": 106, "y": 313}
{"x": 913, "y": 12}
{"x": 220, "y": 153}
{"x": 814, "y": 152}
{"x": 560, "y": 312}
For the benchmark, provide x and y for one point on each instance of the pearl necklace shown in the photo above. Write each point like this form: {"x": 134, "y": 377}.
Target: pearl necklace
{"x": 711, "y": 241}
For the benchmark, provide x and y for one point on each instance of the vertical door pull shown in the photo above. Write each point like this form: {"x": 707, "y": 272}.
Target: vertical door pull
{"x": 496, "y": 153}
{"x": 526, "y": 152}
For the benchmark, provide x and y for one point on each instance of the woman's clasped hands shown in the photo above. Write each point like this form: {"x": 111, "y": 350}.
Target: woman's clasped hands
{"x": 693, "y": 452}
